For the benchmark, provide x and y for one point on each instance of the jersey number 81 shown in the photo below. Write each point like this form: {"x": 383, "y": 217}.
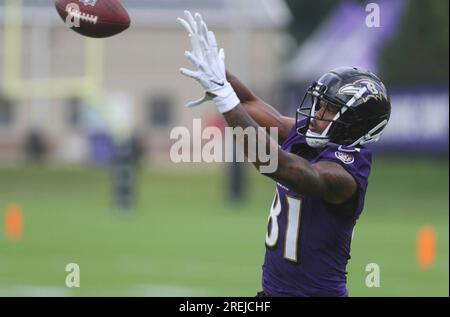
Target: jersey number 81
{"x": 292, "y": 226}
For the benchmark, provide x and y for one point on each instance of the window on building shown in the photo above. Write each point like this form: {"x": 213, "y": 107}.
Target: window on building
{"x": 160, "y": 110}
{"x": 6, "y": 111}
{"x": 74, "y": 106}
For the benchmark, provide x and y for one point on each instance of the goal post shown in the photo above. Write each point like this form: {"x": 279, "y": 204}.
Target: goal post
{"x": 16, "y": 88}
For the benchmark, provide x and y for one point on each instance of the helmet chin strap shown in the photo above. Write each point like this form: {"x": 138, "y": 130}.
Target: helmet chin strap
{"x": 316, "y": 140}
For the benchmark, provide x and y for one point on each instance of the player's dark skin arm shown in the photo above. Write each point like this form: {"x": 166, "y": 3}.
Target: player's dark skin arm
{"x": 327, "y": 180}
{"x": 264, "y": 114}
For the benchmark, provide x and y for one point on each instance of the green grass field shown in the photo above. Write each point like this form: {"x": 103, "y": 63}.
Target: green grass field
{"x": 185, "y": 240}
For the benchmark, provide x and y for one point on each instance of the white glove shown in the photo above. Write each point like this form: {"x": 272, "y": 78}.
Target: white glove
{"x": 193, "y": 31}
{"x": 210, "y": 64}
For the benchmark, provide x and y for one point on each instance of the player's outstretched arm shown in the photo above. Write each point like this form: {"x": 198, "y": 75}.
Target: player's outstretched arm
{"x": 264, "y": 114}
{"x": 326, "y": 180}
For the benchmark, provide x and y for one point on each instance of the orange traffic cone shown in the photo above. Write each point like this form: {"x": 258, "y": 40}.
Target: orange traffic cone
{"x": 13, "y": 222}
{"x": 426, "y": 247}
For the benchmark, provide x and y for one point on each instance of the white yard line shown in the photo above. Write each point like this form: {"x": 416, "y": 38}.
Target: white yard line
{"x": 146, "y": 290}
{"x": 33, "y": 291}
{"x": 164, "y": 290}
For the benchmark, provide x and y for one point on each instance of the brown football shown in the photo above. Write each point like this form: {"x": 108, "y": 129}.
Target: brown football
{"x": 94, "y": 18}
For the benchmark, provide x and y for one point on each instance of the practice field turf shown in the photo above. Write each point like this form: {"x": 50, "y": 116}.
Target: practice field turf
{"x": 185, "y": 240}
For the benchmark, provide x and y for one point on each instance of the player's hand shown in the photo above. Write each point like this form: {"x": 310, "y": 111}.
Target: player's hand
{"x": 194, "y": 31}
{"x": 193, "y": 28}
{"x": 210, "y": 64}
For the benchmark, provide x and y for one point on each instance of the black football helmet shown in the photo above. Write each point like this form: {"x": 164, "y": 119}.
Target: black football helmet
{"x": 363, "y": 105}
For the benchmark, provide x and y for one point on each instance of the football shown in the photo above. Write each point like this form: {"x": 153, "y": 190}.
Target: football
{"x": 94, "y": 18}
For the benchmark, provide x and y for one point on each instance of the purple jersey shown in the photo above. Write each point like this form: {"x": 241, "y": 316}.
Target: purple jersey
{"x": 308, "y": 240}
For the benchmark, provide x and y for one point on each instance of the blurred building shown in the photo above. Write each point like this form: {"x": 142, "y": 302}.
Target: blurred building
{"x": 132, "y": 79}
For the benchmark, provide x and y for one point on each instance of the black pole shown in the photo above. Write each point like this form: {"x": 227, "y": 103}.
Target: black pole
{"x": 124, "y": 177}
{"x": 236, "y": 179}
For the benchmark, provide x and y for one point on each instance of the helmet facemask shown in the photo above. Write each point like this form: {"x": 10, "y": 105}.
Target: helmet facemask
{"x": 311, "y": 104}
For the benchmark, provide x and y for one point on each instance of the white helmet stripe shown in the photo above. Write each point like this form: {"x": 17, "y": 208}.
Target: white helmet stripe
{"x": 356, "y": 96}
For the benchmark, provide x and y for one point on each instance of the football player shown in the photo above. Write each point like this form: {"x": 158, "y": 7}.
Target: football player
{"x": 323, "y": 165}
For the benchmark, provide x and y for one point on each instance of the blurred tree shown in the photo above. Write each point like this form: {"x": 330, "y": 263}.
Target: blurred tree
{"x": 419, "y": 54}
{"x": 307, "y": 16}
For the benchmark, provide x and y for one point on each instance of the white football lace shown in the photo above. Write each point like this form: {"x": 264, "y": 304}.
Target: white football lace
{"x": 83, "y": 16}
